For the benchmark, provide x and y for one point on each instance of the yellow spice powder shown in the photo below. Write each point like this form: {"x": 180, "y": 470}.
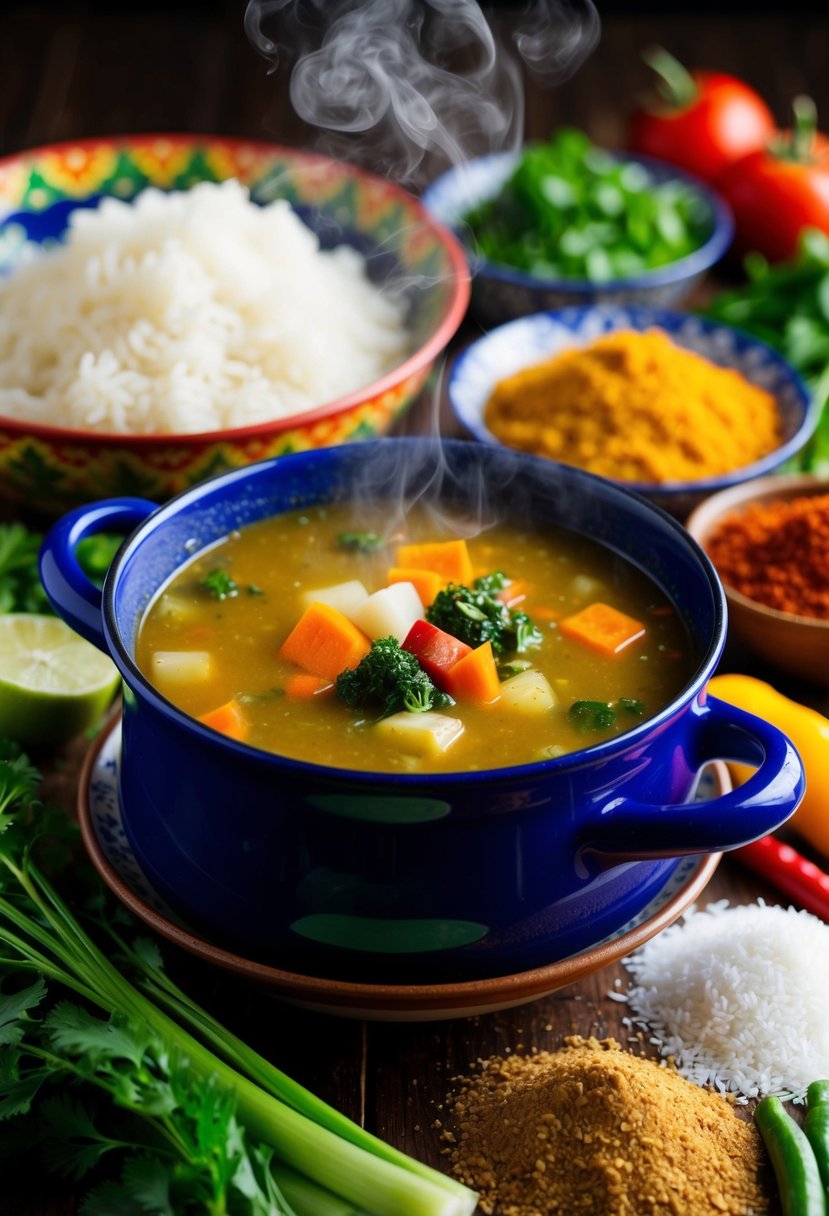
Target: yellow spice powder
{"x": 636, "y": 407}
{"x": 592, "y": 1128}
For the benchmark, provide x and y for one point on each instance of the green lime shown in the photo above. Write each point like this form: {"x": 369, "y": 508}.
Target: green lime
{"x": 53, "y": 683}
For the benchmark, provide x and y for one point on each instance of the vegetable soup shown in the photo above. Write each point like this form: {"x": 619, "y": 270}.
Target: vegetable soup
{"x": 413, "y": 651}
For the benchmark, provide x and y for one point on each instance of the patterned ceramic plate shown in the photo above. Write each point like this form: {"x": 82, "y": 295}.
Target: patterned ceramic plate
{"x": 111, "y": 854}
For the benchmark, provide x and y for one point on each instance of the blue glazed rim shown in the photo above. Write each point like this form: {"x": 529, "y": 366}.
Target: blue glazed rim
{"x": 446, "y": 189}
{"x": 588, "y": 756}
{"x": 642, "y": 317}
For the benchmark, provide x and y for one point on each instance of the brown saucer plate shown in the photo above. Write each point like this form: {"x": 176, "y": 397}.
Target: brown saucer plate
{"x": 111, "y": 855}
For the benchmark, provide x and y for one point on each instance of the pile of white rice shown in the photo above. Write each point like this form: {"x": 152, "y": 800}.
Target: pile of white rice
{"x": 189, "y": 312}
{"x": 737, "y": 997}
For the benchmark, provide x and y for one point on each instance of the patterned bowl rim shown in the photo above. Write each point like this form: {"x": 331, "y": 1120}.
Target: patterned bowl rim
{"x": 693, "y": 263}
{"x": 416, "y": 363}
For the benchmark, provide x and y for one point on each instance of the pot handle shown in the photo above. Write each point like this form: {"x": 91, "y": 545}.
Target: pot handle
{"x": 625, "y": 829}
{"x": 71, "y": 592}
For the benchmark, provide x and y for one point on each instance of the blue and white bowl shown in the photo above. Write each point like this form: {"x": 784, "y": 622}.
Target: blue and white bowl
{"x": 500, "y": 292}
{"x": 528, "y": 340}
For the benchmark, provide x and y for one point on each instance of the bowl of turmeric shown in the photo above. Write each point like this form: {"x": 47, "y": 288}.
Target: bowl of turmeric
{"x": 769, "y": 541}
{"x": 674, "y": 406}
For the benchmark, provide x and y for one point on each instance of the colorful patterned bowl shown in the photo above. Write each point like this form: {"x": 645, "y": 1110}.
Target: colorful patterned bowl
{"x": 51, "y": 468}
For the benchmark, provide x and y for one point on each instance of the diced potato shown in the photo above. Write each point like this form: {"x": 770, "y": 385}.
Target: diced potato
{"x": 345, "y": 597}
{"x": 181, "y": 666}
{"x": 426, "y": 735}
{"x": 170, "y": 606}
{"x": 390, "y": 612}
{"x": 528, "y": 693}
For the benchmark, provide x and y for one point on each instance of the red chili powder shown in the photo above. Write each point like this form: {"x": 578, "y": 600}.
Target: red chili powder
{"x": 777, "y": 553}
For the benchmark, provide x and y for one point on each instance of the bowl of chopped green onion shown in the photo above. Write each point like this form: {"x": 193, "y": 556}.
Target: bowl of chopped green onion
{"x": 566, "y": 222}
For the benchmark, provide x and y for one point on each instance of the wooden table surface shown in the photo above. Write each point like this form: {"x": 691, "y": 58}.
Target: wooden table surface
{"x": 68, "y": 71}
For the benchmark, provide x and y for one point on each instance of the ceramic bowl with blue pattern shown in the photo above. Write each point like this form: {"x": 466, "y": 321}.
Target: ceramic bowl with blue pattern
{"x": 501, "y": 292}
{"x": 528, "y": 340}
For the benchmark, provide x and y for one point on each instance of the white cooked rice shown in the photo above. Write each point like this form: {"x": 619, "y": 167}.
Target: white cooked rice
{"x": 737, "y": 998}
{"x": 185, "y": 312}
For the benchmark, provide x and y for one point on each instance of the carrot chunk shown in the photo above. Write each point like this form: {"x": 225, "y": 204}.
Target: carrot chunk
{"x": 304, "y": 685}
{"x": 228, "y": 719}
{"x": 449, "y": 558}
{"x": 324, "y": 642}
{"x": 602, "y": 627}
{"x": 474, "y": 677}
{"x": 427, "y": 583}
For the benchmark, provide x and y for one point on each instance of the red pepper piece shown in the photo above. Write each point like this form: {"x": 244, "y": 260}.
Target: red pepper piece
{"x": 436, "y": 650}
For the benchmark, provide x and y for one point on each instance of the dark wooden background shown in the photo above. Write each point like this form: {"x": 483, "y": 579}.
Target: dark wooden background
{"x": 72, "y": 69}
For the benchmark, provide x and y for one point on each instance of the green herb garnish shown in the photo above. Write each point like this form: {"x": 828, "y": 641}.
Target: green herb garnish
{"x": 219, "y": 584}
{"x": 601, "y": 715}
{"x": 360, "y": 542}
{"x": 474, "y": 615}
{"x": 591, "y": 715}
{"x": 391, "y": 679}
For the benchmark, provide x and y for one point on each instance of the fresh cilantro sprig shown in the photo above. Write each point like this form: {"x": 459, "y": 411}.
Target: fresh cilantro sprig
{"x": 174, "y": 1134}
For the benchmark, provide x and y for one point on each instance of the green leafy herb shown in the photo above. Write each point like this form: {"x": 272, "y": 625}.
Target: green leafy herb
{"x": 360, "y": 542}
{"x": 20, "y": 586}
{"x": 391, "y": 679}
{"x": 601, "y": 715}
{"x": 214, "y": 1113}
{"x": 573, "y": 210}
{"x": 591, "y": 715}
{"x": 474, "y": 615}
{"x": 219, "y": 584}
{"x": 787, "y": 306}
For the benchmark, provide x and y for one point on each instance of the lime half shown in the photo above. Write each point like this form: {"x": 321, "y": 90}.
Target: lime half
{"x": 53, "y": 683}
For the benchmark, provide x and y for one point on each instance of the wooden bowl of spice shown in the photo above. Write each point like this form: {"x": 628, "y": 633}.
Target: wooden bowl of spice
{"x": 669, "y": 404}
{"x": 769, "y": 542}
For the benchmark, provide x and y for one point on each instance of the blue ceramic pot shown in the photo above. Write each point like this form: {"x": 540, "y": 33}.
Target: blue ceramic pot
{"x": 416, "y": 877}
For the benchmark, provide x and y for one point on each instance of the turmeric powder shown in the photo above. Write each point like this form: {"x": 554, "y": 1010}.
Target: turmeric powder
{"x": 634, "y": 406}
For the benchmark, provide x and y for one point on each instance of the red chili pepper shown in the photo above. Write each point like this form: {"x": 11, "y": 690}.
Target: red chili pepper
{"x": 790, "y": 871}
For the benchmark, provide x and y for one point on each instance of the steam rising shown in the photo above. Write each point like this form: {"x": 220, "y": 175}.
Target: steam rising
{"x": 430, "y": 80}
{"x": 408, "y": 88}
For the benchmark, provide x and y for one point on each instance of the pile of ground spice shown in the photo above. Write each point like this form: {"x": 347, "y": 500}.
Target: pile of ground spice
{"x": 777, "y": 553}
{"x": 593, "y": 1128}
{"x": 636, "y": 407}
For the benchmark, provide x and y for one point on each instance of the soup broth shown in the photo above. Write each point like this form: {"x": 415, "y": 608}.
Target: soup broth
{"x": 211, "y": 643}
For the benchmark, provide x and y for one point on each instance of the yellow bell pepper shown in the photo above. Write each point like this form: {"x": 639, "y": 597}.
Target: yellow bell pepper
{"x": 808, "y": 731}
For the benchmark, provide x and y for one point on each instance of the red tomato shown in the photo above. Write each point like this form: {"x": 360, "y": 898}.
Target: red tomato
{"x": 704, "y": 121}
{"x": 774, "y": 198}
